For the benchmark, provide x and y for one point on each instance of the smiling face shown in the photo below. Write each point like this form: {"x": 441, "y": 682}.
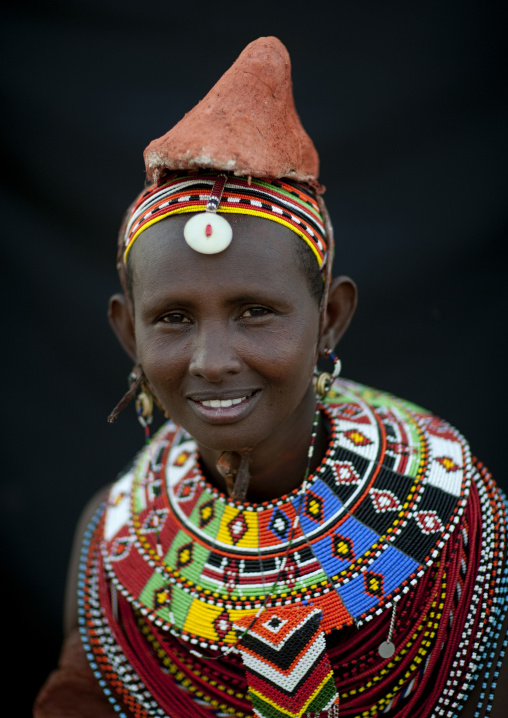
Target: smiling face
{"x": 228, "y": 341}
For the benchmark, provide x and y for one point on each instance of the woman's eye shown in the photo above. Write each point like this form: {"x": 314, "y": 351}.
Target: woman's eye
{"x": 255, "y": 312}
{"x": 175, "y": 318}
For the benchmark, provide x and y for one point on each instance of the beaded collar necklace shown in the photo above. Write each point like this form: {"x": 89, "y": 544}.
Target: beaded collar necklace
{"x": 376, "y": 513}
{"x": 457, "y": 597}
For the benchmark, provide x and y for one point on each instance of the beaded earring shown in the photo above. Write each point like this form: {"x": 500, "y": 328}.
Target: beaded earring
{"x": 324, "y": 380}
{"x": 144, "y": 411}
{"x": 144, "y": 403}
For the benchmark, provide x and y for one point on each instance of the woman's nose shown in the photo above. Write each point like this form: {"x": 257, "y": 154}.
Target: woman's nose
{"x": 214, "y": 356}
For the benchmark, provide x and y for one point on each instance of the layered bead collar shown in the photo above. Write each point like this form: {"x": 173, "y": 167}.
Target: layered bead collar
{"x": 377, "y": 511}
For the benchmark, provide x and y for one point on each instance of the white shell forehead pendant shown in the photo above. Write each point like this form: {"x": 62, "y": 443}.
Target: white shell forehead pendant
{"x": 207, "y": 232}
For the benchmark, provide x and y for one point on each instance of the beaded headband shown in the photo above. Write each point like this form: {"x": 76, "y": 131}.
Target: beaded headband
{"x": 288, "y": 203}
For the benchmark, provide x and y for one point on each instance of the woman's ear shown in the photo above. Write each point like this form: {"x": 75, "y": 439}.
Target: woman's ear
{"x": 122, "y": 322}
{"x": 339, "y": 311}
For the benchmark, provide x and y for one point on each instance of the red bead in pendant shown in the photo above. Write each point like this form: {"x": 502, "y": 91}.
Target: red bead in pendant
{"x": 208, "y": 233}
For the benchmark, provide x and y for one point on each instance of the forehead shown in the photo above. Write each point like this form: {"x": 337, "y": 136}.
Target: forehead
{"x": 261, "y": 251}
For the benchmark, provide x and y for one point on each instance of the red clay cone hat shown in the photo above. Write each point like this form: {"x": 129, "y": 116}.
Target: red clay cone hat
{"x": 246, "y": 125}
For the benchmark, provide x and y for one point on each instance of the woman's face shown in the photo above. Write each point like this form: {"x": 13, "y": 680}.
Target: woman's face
{"x": 227, "y": 341}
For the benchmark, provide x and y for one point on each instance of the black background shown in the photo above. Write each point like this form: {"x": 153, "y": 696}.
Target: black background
{"x": 406, "y": 105}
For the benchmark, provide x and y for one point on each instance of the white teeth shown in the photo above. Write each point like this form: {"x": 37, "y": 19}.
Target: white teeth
{"x": 223, "y": 403}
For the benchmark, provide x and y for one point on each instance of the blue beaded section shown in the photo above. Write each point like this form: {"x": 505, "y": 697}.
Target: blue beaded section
{"x": 392, "y": 565}
{"x": 330, "y": 504}
{"x": 362, "y": 537}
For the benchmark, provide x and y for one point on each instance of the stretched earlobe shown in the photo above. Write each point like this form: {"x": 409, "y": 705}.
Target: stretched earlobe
{"x": 122, "y": 322}
{"x": 341, "y": 305}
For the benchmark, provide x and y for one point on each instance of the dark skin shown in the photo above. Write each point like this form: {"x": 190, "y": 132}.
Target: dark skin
{"x": 216, "y": 331}
{"x": 236, "y": 324}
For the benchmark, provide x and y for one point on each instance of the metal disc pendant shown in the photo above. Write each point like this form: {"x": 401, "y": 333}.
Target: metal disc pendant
{"x": 386, "y": 649}
{"x": 208, "y": 233}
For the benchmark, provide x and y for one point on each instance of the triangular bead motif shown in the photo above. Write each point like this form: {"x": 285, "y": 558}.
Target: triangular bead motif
{"x": 284, "y": 655}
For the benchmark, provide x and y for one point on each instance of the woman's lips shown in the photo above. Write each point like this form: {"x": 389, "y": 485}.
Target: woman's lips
{"x": 224, "y": 409}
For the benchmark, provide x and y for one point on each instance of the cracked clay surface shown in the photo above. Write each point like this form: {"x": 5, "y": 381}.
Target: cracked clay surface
{"x": 223, "y": 131}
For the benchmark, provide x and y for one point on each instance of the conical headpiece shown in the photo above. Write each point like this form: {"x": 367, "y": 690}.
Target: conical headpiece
{"x": 246, "y": 125}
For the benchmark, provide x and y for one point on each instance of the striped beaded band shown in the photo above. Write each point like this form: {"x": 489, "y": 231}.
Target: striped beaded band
{"x": 288, "y": 203}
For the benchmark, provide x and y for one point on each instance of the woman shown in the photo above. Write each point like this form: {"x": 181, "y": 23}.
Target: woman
{"x": 280, "y": 547}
